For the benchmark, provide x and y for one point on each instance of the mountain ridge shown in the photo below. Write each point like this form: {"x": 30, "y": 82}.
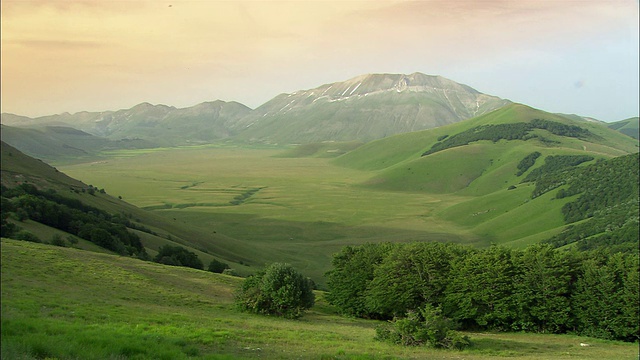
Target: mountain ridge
{"x": 365, "y": 107}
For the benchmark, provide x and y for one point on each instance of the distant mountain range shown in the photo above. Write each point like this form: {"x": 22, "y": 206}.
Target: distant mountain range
{"x": 362, "y": 109}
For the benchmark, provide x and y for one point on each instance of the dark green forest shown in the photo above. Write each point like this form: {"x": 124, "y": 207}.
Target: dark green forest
{"x": 539, "y": 289}
{"x": 513, "y": 131}
{"x": 604, "y": 213}
{"x": 70, "y": 215}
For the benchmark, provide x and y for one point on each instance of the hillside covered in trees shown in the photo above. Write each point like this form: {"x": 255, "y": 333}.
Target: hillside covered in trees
{"x": 605, "y": 210}
{"x": 511, "y": 131}
{"x": 70, "y": 215}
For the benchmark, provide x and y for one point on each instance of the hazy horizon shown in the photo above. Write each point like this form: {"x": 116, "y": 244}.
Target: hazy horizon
{"x": 577, "y": 57}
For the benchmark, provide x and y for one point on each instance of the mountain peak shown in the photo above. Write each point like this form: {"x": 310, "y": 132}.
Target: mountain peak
{"x": 365, "y": 107}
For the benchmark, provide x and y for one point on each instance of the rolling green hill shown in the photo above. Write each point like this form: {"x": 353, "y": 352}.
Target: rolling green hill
{"x": 628, "y": 127}
{"x": 154, "y": 230}
{"x": 483, "y": 169}
{"x": 62, "y": 303}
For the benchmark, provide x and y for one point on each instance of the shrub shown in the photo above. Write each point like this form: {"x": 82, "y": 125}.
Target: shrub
{"x": 178, "y": 256}
{"x": 217, "y": 266}
{"x": 424, "y": 327}
{"x": 278, "y": 290}
{"x": 26, "y": 236}
{"x": 230, "y": 272}
{"x": 57, "y": 240}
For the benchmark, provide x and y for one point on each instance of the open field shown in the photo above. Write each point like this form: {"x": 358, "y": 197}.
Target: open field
{"x": 63, "y": 303}
{"x": 299, "y": 210}
{"x": 302, "y": 210}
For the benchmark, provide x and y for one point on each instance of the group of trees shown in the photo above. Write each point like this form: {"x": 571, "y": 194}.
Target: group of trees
{"x": 539, "y": 289}
{"x": 512, "y": 131}
{"x": 180, "y": 256}
{"x": 527, "y": 162}
{"x": 70, "y": 215}
{"x": 547, "y": 176}
{"x": 608, "y": 198}
{"x": 86, "y": 222}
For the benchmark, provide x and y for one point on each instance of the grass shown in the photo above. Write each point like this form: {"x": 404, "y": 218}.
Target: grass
{"x": 305, "y": 209}
{"x": 253, "y": 206}
{"x": 62, "y": 303}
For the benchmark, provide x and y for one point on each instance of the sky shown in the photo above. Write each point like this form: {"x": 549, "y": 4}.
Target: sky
{"x": 570, "y": 56}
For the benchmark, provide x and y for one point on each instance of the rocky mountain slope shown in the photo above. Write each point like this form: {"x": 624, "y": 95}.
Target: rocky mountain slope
{"x": 364, "y": 108}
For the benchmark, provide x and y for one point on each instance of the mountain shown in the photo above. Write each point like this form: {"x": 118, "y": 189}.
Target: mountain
{"x": 628, "y": 127}
{"x": 149, "y": 125}
{"x": 57, "y": 142}
{"x": 364, "y": 108}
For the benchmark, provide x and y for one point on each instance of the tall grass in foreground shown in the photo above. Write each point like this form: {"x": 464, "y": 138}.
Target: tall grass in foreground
{"x": 62, "y": 303}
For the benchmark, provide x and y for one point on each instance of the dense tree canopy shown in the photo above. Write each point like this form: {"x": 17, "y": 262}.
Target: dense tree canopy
{"x": 540, "y": 288}
{"x": 512, "y": 131}
{"x": 178, "y": 256}
{"x": 607, "y": 197}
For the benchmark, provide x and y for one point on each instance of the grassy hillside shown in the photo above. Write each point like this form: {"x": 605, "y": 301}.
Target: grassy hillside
{"x": 401, "y": 148}
{"x": 67, "y": 304}
{"x": 499, "y": 208}
{"x": 628, "y": 126}
{"x": 18, "y": 168}
{"x": 325, "y": 149}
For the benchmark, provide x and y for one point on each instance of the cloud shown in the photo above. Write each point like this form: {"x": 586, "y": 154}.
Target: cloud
{"x": 64, "y": 45}
{"x": 251, "y": 50}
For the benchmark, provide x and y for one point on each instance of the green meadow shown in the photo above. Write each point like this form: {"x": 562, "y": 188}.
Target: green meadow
{"x": 64, "y": 303}
{"x": 251, "y": 206}
{"x": 299, "y": 210}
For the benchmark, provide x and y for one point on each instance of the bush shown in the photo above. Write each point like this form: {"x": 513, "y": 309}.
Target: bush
{"x": 217, "y": 266}
{"x": 178, "y": 256}
{"x": 57, "y": 240}
{"x": 26, "y": 236}
{"x": 425, "y": 327}
{"x": 278, "y": 290}
{"x": 230, "y": 272}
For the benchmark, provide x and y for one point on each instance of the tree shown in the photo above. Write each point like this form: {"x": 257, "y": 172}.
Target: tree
{"x": 353, "y": 270}
{"x": 480, "y": 291}
{"x": 217, "y": 266}
{"x": 606, "y": 298}
{"x": 410, "y": 276}
{"x": 278, "y": 290}
{"x": 543, "y": 288}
